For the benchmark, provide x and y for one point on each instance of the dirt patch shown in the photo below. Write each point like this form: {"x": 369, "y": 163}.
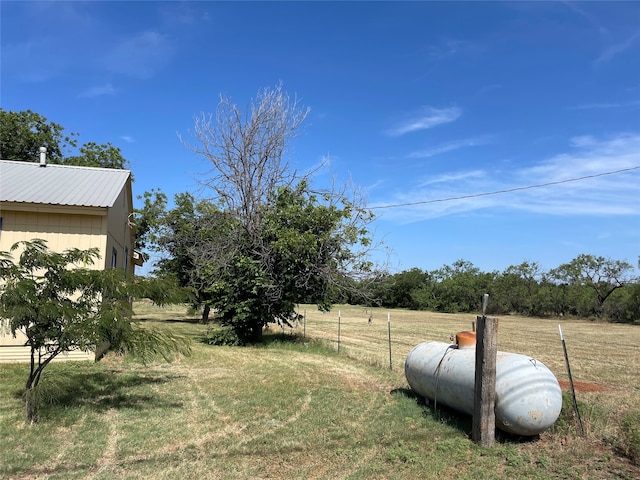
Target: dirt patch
{"x": 584, "y": 387}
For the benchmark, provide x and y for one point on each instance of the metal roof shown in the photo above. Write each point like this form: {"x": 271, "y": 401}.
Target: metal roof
{"x": 29, "y": 182}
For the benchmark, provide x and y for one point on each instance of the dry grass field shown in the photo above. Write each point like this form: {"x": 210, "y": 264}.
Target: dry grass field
{"x": 604, "y": 357}
{"x": 296, "y": 408}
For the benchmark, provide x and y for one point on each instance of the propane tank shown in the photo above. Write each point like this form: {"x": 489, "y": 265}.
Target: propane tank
{"x": 528, "y": 395}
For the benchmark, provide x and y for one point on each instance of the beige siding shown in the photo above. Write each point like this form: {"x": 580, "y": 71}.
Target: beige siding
{"x": 13, "y": 349}
{"x": 6, "y": 339}
{"x": 120, "y": 231}
{"x": 60, "y": 230}
{"x": 66, "y": 227}
{"x": 13, "y": 354}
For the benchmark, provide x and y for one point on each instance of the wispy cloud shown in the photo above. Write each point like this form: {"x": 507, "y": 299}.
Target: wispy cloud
{"x": 182, "y": 13}
{"x": 52, "y": 49}
{"x": 427, "y": 118}
{"x": 488, "y": 88}
{"x": 69, "y": 14}
{"x": 583, "y": 141}
{"x": 586, "y": 157}
{"x": 618, "y": 49}
{"x": 445, "y": 48}
{"x": 454, "y": 177}
{"x": 32, "y": 61}
{"x": 98, "y": 91}
{"x": 596, "y": 106}
{"x": 47, "y": 47}
{"x": 592, "y": 155}
{"x": 592, "y": 19}
{"x": 449, "y": 147}
{"x": 140, "y": 56}
{"x": 127, "y": 138}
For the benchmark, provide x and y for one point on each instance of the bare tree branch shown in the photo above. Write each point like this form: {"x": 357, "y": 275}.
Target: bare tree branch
{"x": 247, "y": 153}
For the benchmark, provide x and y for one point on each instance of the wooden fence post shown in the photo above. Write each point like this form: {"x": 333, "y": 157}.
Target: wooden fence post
{"x": 389, "y": 328}
{"x": 338, "y": 331}
{"x": 484, "y": 399}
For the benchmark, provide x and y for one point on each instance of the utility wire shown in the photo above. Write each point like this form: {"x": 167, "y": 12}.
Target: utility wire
{"x": 497, "y": 192}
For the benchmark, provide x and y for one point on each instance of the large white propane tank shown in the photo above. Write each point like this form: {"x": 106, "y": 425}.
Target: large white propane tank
{"x": 528, "y": 395}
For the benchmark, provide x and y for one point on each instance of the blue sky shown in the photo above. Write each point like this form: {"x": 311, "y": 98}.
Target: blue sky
{"x": 415, "y": 102}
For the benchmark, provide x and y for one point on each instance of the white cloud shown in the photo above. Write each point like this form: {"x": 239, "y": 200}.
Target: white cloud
{"x": 592, "y": 19}
{"x": 428, "y": 117}
{"x": 453, "y": 177}
{"x": 182, "y": 13}
{"x": 445, "y": 48}
{"x": 69, "y": 14}
{"x": 583, "y": 141}
{"x": 141, "y": 55}
{"x": 127, "y": 138}
{"x": 596, "y": 156}
{"x": 449, "y": 147}
{"x": 593, "y": 106}
{"x": 593, "y": 195}
{"x": 98, "y": 91}
{"x": 52, "y": 48}
{"x": 33, "y": 61}
{"x": 617, "y": 49}
{"x": 48, "y": 47}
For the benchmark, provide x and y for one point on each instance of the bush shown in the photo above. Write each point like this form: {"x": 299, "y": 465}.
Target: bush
{"x": 630, "y": 438}
{"x": 222, "y": 336}
{"x": 623, "y": 305}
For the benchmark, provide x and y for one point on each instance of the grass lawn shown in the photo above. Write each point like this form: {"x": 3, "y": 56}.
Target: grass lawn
{"x": 296, "y": 408}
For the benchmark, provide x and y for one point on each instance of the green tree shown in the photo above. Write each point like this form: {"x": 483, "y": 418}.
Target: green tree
{"x": 377, "y": 287}
{"x": 408, "y": 289}
{"x": 624, "y": 304}
{"x": 515, "y": 289}
{"x": 189, "y": 240}
{"x": 23, "y": 133}
{"x": 60, "y": 306}
{"x": 598, "y": 275}
{"x": 93, "y": 155}
{"x": 255, "y": 188}
{"x": 194, "y": 238}
{"x": 304, "y": 255}
{"x": 460, "y": 287}
{"x": 148, "y": 218}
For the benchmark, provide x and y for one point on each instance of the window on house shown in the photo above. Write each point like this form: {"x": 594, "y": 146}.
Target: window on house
{"x": 114, "y": 258}
{"x": 126, "y": 258}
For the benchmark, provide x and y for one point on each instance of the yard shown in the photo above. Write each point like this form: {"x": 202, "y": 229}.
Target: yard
{"x": 296, "y": 408}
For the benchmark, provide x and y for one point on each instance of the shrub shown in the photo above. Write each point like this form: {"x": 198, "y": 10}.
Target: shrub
{"x": 630, "y": 438}
{"x": 222, "y": 336}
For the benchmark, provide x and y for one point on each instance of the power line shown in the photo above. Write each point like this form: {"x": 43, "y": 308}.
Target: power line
{"x": 498, "y": 192}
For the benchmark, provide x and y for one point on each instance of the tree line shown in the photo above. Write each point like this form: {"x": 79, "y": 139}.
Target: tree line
{"x": 588, "y": 286}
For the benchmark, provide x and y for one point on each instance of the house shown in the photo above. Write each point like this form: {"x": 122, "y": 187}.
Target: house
{"x": 68, "y": 206}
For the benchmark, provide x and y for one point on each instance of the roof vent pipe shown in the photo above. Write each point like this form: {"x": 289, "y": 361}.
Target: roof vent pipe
{"x": 43, "y": 156}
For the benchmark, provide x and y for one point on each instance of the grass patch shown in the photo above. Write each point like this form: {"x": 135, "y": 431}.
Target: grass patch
{"x": 295, "y": 408}
{"x": 630, "y": 438}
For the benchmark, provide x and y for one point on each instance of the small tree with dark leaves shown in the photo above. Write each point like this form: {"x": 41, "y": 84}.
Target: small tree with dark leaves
{"x": 60, "y": 305}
